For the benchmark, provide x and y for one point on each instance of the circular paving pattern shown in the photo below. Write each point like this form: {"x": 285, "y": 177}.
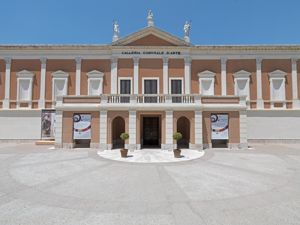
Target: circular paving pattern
{"x": 151, "y": 156}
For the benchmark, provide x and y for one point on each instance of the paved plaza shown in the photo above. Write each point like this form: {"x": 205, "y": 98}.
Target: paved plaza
{"x": 45, "y": 186}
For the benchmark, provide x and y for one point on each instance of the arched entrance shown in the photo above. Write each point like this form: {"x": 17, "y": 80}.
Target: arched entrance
{"x": 183, "y": 126}
{"x": 118, "y": 127}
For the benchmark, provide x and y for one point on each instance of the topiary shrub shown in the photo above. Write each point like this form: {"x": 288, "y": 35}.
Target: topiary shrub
{"x": 124, "y": 136}
{"x": 177, "y": 136}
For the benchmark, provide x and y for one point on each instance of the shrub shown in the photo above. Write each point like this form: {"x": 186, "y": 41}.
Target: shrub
{"x": 124, "y": 136}
{"x": 177, "y": 136}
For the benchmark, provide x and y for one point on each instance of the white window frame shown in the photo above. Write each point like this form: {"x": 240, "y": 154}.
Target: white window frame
{"x": 207, "y": 76}
{"x": 239, "y": 76}
{"x": 119, "y": 84}
{"x": 95, "y": 75}
{"x": 24, "y": 75}
{"x": 150, "y": 78}
{"x": 278, "y": 75}
{"x": 176, "y": 78}
{"x": 58, "y": 76}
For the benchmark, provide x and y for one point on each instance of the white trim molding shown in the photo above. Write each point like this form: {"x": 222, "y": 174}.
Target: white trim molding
{"x": 95, "y": 76}
{"x": 206, "y": 82}
{"x": 277, "y": 87}
{"x": 59, "y": 76}
{"x": 24, "y": 76}
{"x": 242, "y": 84}
{"x": 150, "y": 78}
{"x": 176, "y": 78}
{"x": 119, "y": 84}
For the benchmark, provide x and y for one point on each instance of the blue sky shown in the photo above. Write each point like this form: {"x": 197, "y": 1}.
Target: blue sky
{"x": 214, "y": 22}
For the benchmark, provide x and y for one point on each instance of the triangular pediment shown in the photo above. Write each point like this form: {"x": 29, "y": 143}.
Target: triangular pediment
{"x": 150, "y": 36}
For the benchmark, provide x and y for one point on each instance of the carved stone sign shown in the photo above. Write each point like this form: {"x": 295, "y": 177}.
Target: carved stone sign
{"x": 150, "y": 53}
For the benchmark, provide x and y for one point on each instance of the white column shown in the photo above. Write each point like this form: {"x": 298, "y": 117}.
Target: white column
{"x": 114, "y": 75}
{"x": 259, "y": 101}
{"x": 7, "y": 83}
{"x": 58, "y": 128}
{"x": 198, "y": 131}
{"x": 78, "y": 75}
{"x": 135, "y": 75}
{"x": 43, "y": 83}
{"x": 103, "y": 131}
{"x": 169, "y": 131}
{"x": 187, "y": 75}
{"x": 165, "y": 75}
{"x": 243, "y": 130}
{"x": 296, "y": 102}
{"x": 223, "y": 77}
{"x": 132, "y": 130}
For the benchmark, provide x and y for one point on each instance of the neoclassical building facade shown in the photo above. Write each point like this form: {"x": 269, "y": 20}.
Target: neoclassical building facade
{"x": 150, "y": 84}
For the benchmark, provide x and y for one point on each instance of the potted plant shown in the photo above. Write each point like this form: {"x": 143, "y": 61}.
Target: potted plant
{"x": 124, "y": 151}
{"x": 177, "y": 136}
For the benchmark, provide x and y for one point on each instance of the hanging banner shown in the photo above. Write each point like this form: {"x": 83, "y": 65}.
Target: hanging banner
{"x": 47, "y": 124}
{"x": 219, "y": 126}
{"x": 82, "y": 126}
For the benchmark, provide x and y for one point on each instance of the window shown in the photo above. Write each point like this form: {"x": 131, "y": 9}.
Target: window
{"x": 125, "y": 88}
{"x": 241, "y": 83}
{"x": 24, "y": 88}
{"x": 95, "y": 82}
{"x": 150, "y": 87}
{"x": 59, "y": 84}
{"x": 277, "y": 87}
{"x": 207, "y": 82}
{"x": 176, "y": 89}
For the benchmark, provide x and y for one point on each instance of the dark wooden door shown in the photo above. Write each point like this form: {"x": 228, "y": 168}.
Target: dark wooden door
{"x": 151, "y": 132}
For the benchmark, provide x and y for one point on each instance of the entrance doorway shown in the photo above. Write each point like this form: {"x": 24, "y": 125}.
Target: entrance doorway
{"x": 151, "y": 132}
{"x": 118, "y": 127}
{"x": 183, "y": 126}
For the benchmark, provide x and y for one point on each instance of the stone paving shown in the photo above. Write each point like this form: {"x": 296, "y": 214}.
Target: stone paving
{"x": 39, "y": 185}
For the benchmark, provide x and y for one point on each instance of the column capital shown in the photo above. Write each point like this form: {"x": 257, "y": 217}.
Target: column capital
{"x": 7, "y": 60}
{"x": 114, "y": 59}
{"x": 136, "y": 60}
{"x": 78, "y": 60}
{"x": 165, "y": 60}
{"x": 259, "y": 60}
{"x": 223, "y": 60}
{"x": 187, "y": 60}
{"x": 43, "y": 60}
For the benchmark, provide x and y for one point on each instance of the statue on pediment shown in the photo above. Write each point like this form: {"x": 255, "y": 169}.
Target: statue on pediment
{"x": 116, "y": 31}
{"x": 186, "y": 29}
{"x": 150, "y": 19}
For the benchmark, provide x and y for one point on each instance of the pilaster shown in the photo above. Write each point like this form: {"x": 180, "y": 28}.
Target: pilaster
{"x": 296, "y": 101}
{"x": 259, "y": 101}
{"x": 223, "y": 76}
{"x": 114, "y": 75}
{"x": 103, "y": 131}
{"x": 187, "y": 74}
{"x": 132, "y": 130}
{"x": 7, "y": 83}
{"x": 135, "y": 75}
{"x": 78, "y": 75}
{"x": 43, "y": 83}
{"x": 165, "y": 75}
{"x": 169, "y": 131}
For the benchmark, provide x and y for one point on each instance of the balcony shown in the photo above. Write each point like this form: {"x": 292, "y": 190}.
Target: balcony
{"x": 151, "y": 102}
{"x": 149, "y": 98}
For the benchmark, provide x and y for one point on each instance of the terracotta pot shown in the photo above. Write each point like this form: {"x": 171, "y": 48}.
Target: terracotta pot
{"x": 124, "y": 152}
{"x": 177, "y": 153}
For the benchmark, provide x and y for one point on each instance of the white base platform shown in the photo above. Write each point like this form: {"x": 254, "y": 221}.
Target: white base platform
{"x": 151, "y": 155}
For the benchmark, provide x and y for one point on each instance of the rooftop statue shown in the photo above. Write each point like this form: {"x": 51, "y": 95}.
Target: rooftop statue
{"x": 116, "y": 31}
{"x": 150, "y": 19}
{"x": 186, "y": 29}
